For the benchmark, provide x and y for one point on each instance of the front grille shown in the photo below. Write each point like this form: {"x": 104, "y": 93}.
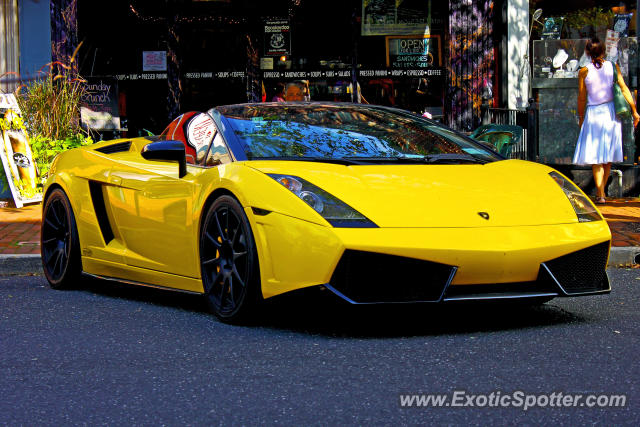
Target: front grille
{"x": 367, "y": 277}
{"x": 582, "y": 271}
{"x": 119, "y": 147}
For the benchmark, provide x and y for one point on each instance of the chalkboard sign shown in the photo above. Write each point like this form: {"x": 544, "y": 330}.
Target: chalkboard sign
{"x": 99, "y": 110}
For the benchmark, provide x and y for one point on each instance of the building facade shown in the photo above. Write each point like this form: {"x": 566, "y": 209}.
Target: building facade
{"x": 162, "y": 58}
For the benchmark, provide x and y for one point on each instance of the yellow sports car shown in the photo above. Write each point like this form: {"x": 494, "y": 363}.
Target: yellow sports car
{"x": 377, "y": 205}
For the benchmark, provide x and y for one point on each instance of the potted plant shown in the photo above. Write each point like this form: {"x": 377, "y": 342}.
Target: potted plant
{"x": 51, "y": 111}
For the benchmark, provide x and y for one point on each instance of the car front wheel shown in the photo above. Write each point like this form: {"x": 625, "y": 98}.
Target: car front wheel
{"x": 229, "y": 261}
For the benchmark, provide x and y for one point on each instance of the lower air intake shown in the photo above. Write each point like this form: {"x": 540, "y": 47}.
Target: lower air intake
{"x": 582, "y": 271}
{"x": 367, "y": 277}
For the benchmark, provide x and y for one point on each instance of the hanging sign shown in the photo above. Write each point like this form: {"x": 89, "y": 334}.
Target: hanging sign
{"x": 621, "y": 23}
{"x": 277, "y": 37}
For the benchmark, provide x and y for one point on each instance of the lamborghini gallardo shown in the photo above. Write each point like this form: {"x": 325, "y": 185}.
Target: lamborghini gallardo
{"x": 376, "y": 205}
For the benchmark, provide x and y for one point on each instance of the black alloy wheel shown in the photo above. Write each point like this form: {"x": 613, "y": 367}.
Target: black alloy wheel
{"x": 229, "y": 261}
{"x": 59, "y": 243}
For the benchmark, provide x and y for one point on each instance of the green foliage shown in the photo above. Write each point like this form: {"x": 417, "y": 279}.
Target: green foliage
{"x": 51, "y": 111}
{"x": 45, "y": 150}
{"x": 595, "y": 16}
{"x": 51, "y": 105}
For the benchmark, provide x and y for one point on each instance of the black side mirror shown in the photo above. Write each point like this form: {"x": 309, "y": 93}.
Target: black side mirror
{"x": 168, "y": 151}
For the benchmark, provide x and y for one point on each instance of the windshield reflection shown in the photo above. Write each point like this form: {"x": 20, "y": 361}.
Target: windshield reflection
{"x": 342, "y": 131}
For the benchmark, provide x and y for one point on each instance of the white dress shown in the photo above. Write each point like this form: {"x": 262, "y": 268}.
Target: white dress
{"x": 600, "y": 139}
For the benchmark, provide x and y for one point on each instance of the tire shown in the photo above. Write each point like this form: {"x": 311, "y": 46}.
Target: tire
{"x": 59, "y": 242}
{"x": 229, "y": 262}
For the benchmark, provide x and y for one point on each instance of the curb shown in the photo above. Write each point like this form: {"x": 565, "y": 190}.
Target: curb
{"x": 619, "y": 257}
{"x": 625, "y": 256}
{"x": 20, "y": 264}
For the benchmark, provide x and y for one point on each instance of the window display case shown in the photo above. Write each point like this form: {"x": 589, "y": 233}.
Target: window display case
{"x": 555, "y": 78}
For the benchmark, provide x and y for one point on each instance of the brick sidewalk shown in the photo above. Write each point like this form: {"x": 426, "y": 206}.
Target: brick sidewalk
{"x": 623, "y": 216}
{"x": 20, "y": 228}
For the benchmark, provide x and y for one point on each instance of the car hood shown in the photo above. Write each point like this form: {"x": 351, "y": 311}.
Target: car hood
{"x": 498, "y": 194}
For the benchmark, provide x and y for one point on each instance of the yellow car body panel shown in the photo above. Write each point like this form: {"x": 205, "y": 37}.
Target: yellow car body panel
{"x": 440, "y": 195}
{"x": 427, "y": 212}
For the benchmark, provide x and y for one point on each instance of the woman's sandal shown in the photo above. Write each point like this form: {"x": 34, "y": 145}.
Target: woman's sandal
{"x": 601, "y": 201}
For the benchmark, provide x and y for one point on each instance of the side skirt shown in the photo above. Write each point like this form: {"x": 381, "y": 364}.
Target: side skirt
{"x": 140, "y": 276}
{"x": 146, "y": 285}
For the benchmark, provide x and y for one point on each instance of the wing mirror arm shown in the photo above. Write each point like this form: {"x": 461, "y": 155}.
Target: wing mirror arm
{"x": 167, "y": 151}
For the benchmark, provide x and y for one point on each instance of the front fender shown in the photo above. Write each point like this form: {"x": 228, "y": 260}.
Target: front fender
{"x": 254, "y": 189}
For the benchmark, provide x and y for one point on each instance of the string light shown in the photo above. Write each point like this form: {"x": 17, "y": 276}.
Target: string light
{"x": 190, "y": 19}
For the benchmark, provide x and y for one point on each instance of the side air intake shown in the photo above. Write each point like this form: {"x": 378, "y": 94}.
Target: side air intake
{"x": 119, "y": 147}
{"x": 97, "y": 198}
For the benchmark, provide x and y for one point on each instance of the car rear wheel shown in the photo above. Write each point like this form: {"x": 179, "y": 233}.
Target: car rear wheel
{"x": 59, "y": 243}
{"x": 229, "y": 261}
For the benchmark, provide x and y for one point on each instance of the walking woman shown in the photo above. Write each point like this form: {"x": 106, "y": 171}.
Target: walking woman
{"x": 600, "y": 140}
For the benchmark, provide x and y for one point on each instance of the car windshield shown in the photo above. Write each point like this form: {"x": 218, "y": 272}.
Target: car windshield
{"x": 357, "y": 133}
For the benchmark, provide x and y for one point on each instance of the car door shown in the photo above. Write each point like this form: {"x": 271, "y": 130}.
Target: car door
{"x": 152, "y": 208}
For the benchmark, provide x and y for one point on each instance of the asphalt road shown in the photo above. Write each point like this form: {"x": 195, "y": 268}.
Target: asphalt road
{"x": 117, "y": 355}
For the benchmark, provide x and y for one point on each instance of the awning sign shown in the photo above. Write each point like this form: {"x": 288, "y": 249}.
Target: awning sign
{"x": 277, "y": 37}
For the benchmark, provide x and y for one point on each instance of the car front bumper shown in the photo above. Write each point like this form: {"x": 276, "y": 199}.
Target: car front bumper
{"x": 467, "y": 263}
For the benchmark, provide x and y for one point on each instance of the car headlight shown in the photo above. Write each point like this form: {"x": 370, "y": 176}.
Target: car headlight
{"x": 585, "y": 210}
{"x": 334, "y": 210}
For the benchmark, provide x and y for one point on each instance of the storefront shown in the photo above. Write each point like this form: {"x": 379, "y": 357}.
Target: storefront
{"x": 163, "y": 58}
{"x": 560, "y": 33}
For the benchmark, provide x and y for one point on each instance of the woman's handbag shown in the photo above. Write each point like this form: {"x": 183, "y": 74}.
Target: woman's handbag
{"x": 619, "y": 101}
